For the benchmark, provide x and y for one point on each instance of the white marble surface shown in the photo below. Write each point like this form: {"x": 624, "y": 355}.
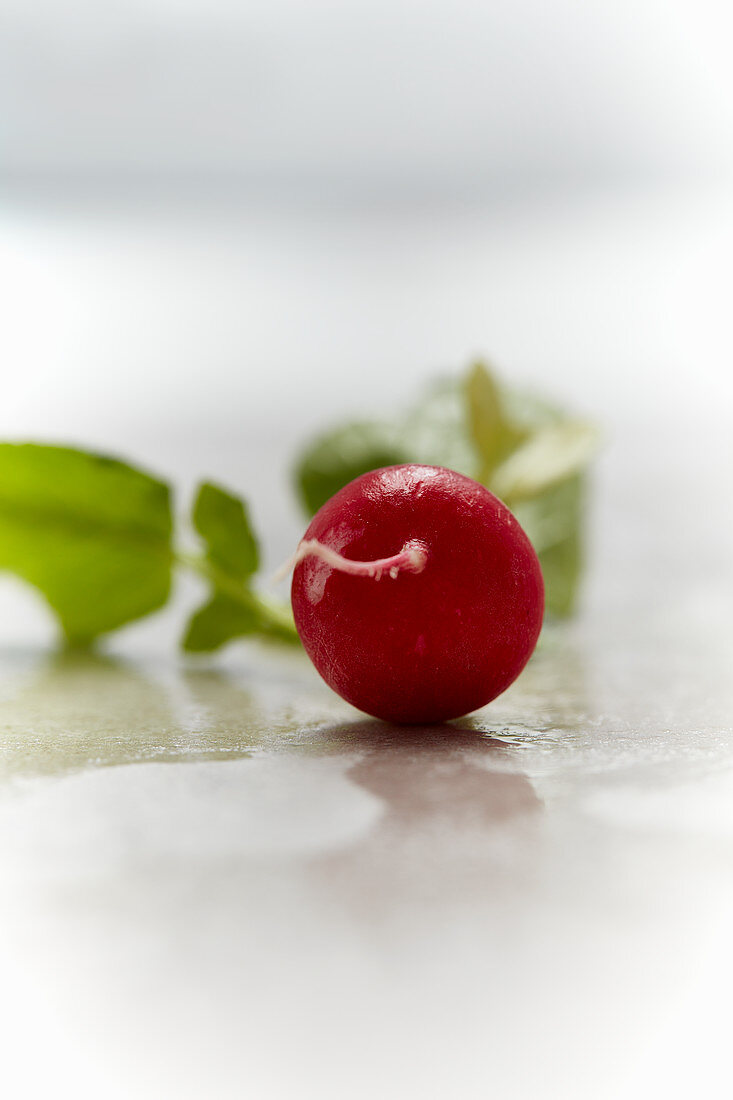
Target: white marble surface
{"x": 217, "y": 880}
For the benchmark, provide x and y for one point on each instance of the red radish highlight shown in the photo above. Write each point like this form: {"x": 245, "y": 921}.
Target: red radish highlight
{"x": 416, "y": 594}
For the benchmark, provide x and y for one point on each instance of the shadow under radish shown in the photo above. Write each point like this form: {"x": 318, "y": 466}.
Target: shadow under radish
{"x": 459, "y": 818}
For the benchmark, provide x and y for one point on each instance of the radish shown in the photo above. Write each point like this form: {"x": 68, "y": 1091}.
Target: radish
{"x": 416, "y": 594}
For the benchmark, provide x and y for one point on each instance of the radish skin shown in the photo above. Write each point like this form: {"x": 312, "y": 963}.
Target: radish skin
{"x": 461, "y": 609}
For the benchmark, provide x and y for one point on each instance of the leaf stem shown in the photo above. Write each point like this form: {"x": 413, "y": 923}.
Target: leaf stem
{"x": 275, "y": 618}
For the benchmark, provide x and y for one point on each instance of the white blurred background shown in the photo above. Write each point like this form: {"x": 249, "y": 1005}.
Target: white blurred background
{"x": 225, "y": 220}
{"x": 393, "y": 100}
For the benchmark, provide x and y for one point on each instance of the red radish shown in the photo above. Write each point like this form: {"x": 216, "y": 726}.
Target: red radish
{"x": 416, "y": 594}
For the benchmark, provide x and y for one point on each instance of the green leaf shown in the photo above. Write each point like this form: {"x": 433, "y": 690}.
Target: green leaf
{"x": 435, "y": 432}
{"x": 225, "y": 617}
{"x": 562, "y": 567}
{"x": 553, "y": 523}
{"x": 223, "y": 523}
{"x": 524, "y": 449}
{"x": 336, "y": 458}
{"x": 217, "y": 622}
{"x": 233, "y": 608}
{"x": 91, "y": 533}
{"x": 551, "y": 516}
{"x": 549, "y": 457}
{"x": 494, "y": 435}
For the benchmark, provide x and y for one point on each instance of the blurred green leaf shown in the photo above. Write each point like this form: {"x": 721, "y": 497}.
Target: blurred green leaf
{"x": 562, "y": 567}
{"x": 91, "y": 533}
{"x": 493, "y": 433}
{"x": 551, "y": 516}
{"x": 337, "y": 457}
{"x": 223, "y": 523}
{"x": 553, "y": 522}
{"x": 524, "y": 449}
{"x": 549, "y": 457}
{"x": 435, "y": 431}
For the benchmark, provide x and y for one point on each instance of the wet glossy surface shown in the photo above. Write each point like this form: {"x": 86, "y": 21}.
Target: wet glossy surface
{"x": 219, "y": 878}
